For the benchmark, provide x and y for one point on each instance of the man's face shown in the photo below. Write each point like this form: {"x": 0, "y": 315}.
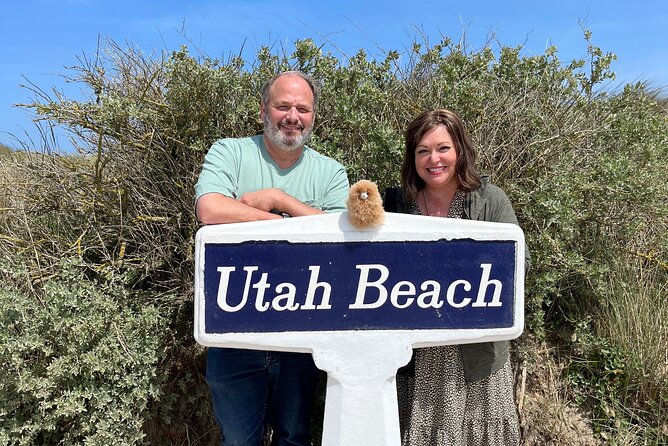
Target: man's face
{"x": 288, "y": 116}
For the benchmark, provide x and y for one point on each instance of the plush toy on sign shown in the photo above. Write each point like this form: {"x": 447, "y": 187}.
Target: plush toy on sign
{"x": 365, "y": 207}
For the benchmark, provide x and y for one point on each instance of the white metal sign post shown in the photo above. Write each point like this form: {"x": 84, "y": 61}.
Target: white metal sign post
{"x": 359, "y": 300}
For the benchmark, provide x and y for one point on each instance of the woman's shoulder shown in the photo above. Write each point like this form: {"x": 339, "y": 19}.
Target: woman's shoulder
{"x": 488, "y": 190}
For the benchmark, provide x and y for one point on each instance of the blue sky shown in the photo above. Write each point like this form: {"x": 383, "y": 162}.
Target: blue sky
{"x": 41, "y": 38}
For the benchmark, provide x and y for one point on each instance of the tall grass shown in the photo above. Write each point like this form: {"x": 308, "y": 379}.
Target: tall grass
{"x": 635, "y": 320}
{"x": 635, "y": 315}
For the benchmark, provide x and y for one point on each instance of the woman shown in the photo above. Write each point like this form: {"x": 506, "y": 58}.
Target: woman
{"x": 453, "y": 395}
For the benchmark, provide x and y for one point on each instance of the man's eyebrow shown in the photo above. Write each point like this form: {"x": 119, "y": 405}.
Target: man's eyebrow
{"x": 287, "y": 103}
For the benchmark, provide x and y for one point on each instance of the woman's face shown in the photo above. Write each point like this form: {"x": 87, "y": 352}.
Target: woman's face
{"x": 436, "y": 158}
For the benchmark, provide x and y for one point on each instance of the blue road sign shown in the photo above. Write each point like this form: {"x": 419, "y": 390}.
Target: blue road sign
{"x": 278, "y": 286}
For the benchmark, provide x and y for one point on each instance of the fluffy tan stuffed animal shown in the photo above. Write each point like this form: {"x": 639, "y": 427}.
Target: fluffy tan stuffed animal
{"x": 365, "y": 207}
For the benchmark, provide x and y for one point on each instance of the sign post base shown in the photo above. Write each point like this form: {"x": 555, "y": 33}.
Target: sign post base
{"x": 361, "y": 400}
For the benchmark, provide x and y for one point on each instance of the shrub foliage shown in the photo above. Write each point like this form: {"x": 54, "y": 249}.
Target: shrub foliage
{"x": 80, "y": 362}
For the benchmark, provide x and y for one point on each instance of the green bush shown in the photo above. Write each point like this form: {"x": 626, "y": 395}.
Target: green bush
{"x": 80, "y": 364}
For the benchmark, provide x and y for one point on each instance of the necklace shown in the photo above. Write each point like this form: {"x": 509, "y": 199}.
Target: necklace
{"x": 455, "y": 209}
{"x": 447, "y": 211}
{"x": 426, "y": 208}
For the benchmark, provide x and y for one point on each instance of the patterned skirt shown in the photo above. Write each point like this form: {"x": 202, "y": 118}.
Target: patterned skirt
{"x": 438, "y": 407}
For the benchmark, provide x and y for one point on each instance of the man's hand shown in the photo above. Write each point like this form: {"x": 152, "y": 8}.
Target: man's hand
{"x": 265, "y": 200}
{"x": 276, "y": 200}
{"x": 214, "y": 208}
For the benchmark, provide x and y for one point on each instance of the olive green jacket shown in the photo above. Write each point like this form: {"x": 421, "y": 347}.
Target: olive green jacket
{"x": 486, "y": 203}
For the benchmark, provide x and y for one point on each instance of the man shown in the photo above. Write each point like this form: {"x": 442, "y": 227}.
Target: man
{"x": 269, "y": 176}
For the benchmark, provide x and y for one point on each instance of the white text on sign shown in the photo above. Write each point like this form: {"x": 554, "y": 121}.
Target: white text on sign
{"x": 403, "y": 294}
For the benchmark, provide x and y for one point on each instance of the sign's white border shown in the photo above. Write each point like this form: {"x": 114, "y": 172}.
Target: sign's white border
{"x": 337, "y": 228}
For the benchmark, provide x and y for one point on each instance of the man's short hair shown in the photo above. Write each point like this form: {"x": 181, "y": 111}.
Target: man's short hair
{"x": 312, "y": 83}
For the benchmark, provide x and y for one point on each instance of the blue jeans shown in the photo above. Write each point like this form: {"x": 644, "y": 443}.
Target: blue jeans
{"x": 251, "y": 389}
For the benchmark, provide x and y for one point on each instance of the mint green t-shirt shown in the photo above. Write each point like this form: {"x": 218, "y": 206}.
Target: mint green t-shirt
{"x": 234, "y": 166}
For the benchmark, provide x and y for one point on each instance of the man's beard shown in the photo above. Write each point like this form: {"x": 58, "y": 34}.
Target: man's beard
{"x": 281, "y": 140}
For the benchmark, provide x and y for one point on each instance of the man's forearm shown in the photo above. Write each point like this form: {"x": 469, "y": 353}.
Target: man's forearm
{"x": 295, "y": 208}
{"x": 277, "y": 200}
{"x": 214, "y": 208}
